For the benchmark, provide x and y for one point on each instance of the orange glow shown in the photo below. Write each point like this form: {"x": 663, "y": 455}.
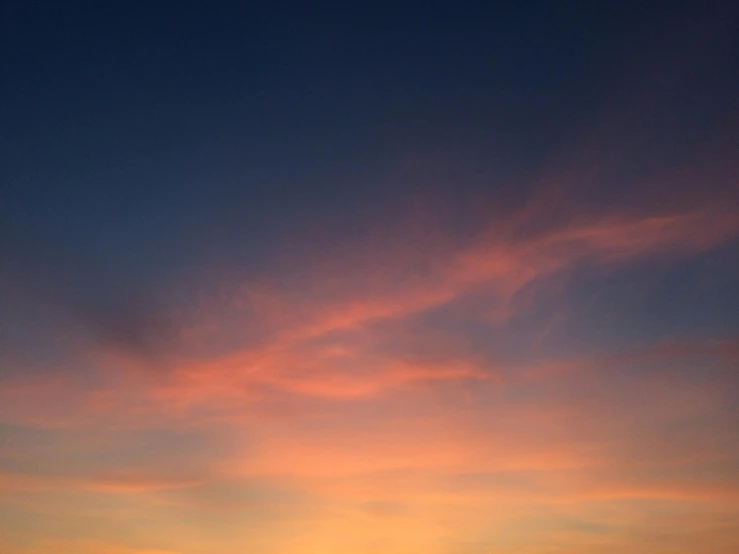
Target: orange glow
{"x": 352, "y": 431}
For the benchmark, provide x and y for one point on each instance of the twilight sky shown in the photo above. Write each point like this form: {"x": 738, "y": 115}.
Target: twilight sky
{"x": 438, "y": 278}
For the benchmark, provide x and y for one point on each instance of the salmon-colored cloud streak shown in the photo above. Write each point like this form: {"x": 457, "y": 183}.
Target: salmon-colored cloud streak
{"x": 370, "y": 404}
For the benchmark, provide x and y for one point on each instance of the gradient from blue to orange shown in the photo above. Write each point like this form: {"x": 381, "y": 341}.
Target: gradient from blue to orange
{"x": 445, "y": 280}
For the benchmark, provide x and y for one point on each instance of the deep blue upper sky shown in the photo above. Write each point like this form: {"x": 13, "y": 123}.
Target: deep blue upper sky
{"x": 142, "y": 138}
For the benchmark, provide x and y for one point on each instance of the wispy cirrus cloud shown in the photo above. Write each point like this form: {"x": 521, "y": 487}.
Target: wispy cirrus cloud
{"x": 369, "y": 391}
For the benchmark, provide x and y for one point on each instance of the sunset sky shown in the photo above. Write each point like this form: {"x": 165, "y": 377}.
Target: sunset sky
{"x": 368, "y": 277}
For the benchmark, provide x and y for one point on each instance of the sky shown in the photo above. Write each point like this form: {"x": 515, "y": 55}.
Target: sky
{"x": 317, "y": 278}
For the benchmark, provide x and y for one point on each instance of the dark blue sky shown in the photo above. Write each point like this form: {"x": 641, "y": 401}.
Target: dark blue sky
{"x": 134, "y": 119}
{"x": 144, "y": 141}
{"x": 148, "y": 141}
